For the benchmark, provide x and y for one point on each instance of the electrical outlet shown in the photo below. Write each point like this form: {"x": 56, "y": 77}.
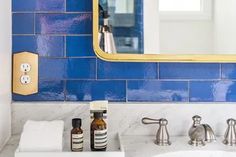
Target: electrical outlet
{"x": 25, "y": 67}
{"x": 25, "y": 79}
{"x": 25, "y": 73}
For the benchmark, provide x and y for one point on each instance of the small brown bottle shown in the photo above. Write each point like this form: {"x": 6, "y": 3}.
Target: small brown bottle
{"x": 98, "y": 133}
{"x": 76, "y": 136}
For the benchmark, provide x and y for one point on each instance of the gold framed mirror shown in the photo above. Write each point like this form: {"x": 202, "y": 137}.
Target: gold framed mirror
{"x": 160, "y": 57}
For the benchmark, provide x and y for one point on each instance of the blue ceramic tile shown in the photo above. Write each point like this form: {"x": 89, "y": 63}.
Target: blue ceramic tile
{"x": 17, "y": 5}
{"x": 81, "y": 68}
{"x": 79, "y": 46}
{"x": 50, "y": 46}
{"x": 213, "y": 91}
{"x": 189, "y": 71}
{"x": 38, "y": 5}
{"x": 80, "y": 23}
{"x": 229, "y": 71}
{"x": 79, "y": 5}
{"x": 73, "y": 68}
{"x": 95, "y": 90}
{"x": 23, "y": 43}
{"x": 50, "y": 5}
{"x": 22, "y": 23}
{"x": 48, "y": 91}
{"x": 52, "y": 69}
{"x": 160, "y": 91}
{"x": 110, "y": 70}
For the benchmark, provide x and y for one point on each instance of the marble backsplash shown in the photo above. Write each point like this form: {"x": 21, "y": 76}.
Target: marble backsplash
{"x": 126, "y": 118}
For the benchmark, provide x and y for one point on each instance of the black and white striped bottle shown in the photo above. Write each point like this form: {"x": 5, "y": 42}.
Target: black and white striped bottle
{"x": 77, "y": 136}
{"x": 98, "y": 133}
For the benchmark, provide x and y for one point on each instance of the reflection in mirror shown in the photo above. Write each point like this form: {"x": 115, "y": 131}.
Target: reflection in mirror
{"x": 124, "y": 29}
{"x": 168, "y": 26}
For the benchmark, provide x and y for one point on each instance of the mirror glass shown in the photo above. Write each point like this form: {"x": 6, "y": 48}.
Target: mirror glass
{"x": 167, "y": 26}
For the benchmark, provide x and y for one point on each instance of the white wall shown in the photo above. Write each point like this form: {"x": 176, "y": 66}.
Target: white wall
{"x": 5, "y": 75}
{"x": 151, "y": 27}
{"x": 225, "y": 26}
{"x": 217, "y": 35}
{"x": 186, "y": 36}
{"x": 178, "y": 36}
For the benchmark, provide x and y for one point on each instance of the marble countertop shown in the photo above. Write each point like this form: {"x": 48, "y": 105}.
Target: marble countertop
{"x": 10, "y": 147}
{"x": 129, "y": 124}
{"x": 140, "y": 146}
{"x": 143, "y": 146}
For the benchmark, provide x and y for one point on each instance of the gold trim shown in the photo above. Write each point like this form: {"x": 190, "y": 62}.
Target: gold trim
{"x": 208, "y": 58}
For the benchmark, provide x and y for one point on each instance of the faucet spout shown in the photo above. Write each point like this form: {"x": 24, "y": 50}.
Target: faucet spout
{"x": 200, "y": 133}
{"x": 209, "y": 134}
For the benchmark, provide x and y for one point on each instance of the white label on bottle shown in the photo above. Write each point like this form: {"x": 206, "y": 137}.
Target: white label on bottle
{"x": 100, "y": 139}
{"x": 77, "y": 141}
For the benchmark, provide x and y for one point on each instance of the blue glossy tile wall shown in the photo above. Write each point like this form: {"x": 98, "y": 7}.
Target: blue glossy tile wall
{"x": 60, "y": 31}
{"x": 38, "y": 5}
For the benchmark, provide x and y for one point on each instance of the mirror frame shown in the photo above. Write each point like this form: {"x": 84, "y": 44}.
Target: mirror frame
{"x": 192, "y": 58}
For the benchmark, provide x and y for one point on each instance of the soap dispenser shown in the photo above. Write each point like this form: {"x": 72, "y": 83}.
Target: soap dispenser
{"x": 98, "y": 133}
{"x": 76, "y": 136}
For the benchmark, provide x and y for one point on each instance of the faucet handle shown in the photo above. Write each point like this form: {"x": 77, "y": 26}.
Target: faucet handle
{"x": 162, "y": 136}
{"x": 230, "y": 134}
{"x": 146, "y": 120}
{"x": 197, "y": 119}
{"x": 231, "y": 122}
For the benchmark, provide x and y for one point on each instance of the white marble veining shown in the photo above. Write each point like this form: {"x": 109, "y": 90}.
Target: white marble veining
{"x": 125, "y": 118}
{"x": 10, "y": 147}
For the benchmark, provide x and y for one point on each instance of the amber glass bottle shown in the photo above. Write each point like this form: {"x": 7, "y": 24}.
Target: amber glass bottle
{"x": 98, "y": 133}
{"x": 76, "y": 136}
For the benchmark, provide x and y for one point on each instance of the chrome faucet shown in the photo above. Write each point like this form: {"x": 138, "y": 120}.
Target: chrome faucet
{"x": 230, "y": 134}
{"x": 200, "y": 133}
{"x": 162, "y": 136}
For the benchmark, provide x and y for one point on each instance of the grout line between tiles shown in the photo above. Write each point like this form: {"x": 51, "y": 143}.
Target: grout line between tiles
{"x": 53, "y": 12}
{"x": 53, "y": 34}
{"x": 65, "y": 9}
{"x": 34, "y": 23}
{"x": 126, "y": 91}
{"x": 96, "y": 70}
{"x": 65, "y": 84}
{"x": 221, "y": 71}
{"x": 65, "y": 46}
{"x": 122, "y": 79}
{"x": 95, "y": 79}
{"x": 63, "y": 57}
{"x": 188, "y": 91}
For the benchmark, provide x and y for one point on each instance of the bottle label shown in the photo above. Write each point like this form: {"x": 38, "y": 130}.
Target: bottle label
{"x": 100, "y": 139}
{"x": 77, "y": 142}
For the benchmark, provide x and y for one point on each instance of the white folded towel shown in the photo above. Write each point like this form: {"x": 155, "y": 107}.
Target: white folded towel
{"x": 42, "y": 136}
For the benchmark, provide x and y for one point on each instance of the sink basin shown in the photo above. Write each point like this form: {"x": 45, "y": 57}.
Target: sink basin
{"x": 198, "y": 154}
{"x": 143, "y": 146}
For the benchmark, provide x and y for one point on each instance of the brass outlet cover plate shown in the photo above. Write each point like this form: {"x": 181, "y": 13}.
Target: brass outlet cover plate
{"x": 18, "y": 60}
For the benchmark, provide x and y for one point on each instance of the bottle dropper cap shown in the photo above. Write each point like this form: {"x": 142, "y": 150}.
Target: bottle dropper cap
{"x": 76, "y": 122}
